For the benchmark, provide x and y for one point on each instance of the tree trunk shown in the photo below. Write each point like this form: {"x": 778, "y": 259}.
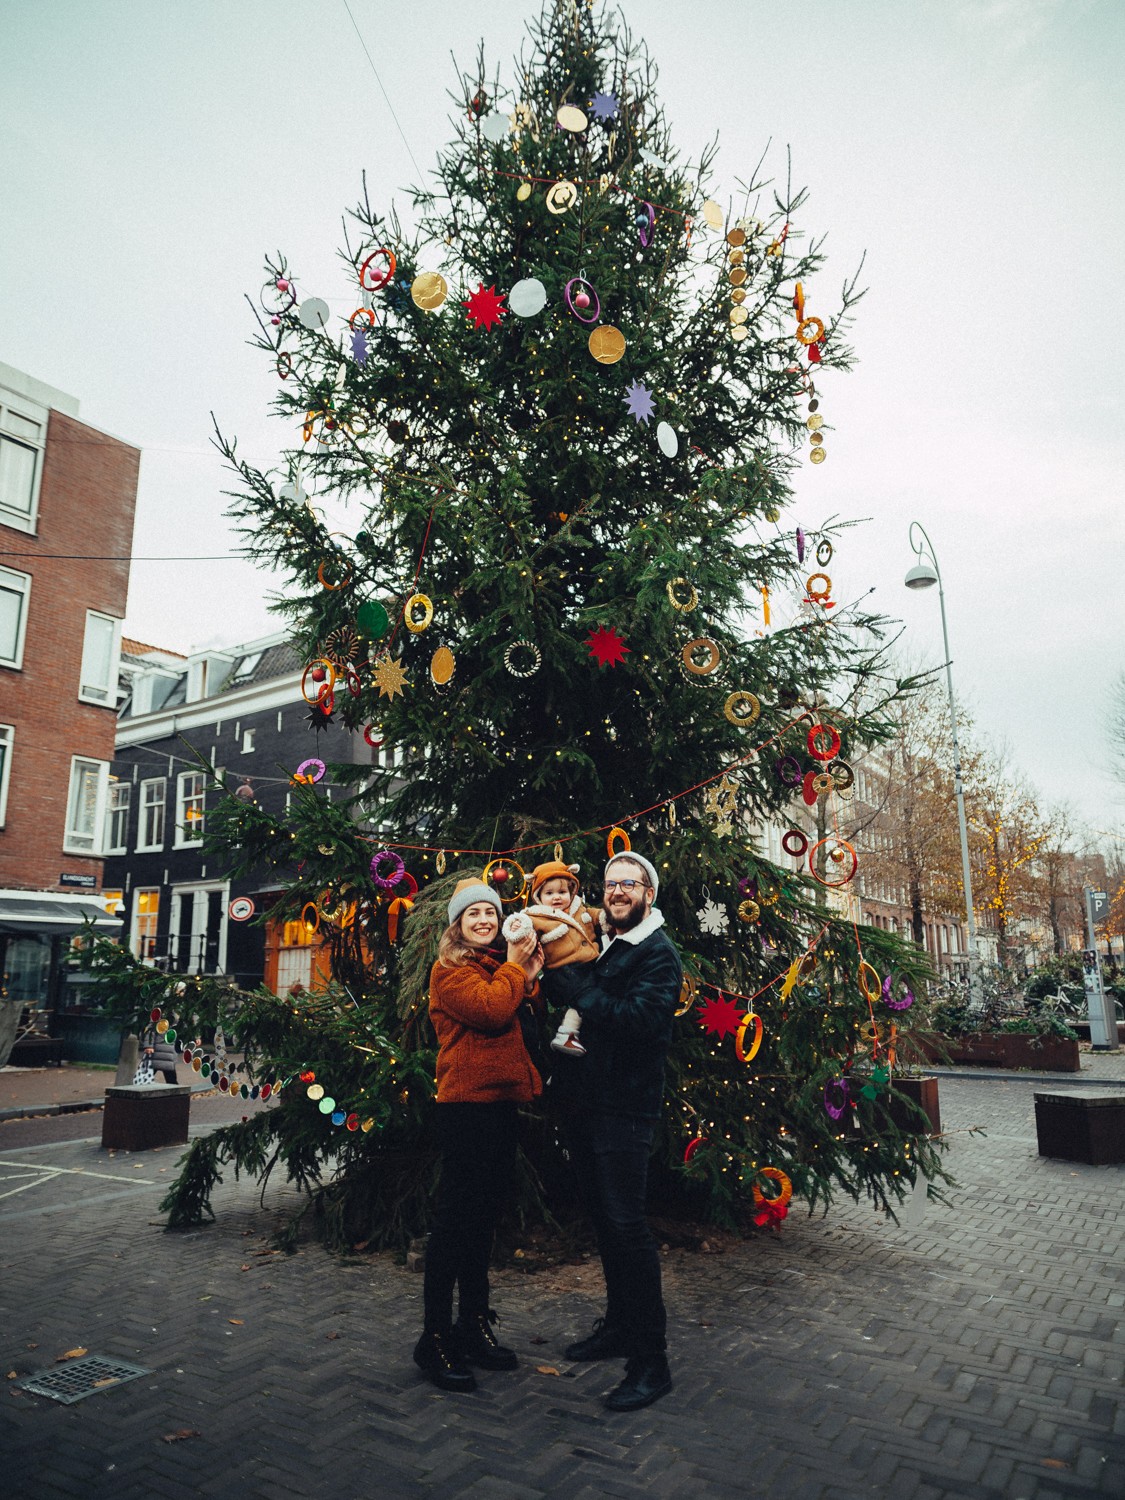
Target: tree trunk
{"x": 9, "y": 1021}
{"x": 917, "y": 917}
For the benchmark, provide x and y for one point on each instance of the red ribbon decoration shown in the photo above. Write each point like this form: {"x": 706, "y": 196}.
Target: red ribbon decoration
{"x": 770, "y": 1211}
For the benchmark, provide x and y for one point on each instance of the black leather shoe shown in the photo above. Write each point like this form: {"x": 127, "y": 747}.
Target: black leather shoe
{"x": 478, "y": 1344}
{"x": 647, "y": 1378}
{"x": 439, "y": 1357}
{"x": 604, "y": 1343}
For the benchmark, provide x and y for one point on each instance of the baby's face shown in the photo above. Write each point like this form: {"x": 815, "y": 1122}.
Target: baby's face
{"x": 555, "y": 893}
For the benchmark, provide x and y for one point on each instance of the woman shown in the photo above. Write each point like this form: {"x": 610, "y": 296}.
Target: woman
{"x": 484, "y": 1074}
{"x": 158, "y": 1051}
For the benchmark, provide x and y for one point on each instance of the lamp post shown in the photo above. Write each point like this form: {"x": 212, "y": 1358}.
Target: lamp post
{"x": 923, "y": 575}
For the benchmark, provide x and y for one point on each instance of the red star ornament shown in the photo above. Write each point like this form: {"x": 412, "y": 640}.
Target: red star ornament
{"x": 606, "y": 646}
{"x": 720, "y": 1015}
{"x": 484, "y": 307}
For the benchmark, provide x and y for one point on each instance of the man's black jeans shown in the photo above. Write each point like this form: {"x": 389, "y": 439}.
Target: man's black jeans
{"x": 478, "y": 1157}
{"x": 609, "y": 1154}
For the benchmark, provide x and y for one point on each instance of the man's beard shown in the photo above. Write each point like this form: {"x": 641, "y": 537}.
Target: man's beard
{"x": 636, "y": 914}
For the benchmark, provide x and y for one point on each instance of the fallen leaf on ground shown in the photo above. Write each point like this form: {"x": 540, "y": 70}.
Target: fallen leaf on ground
{"x": 33, "y": 1346}
{"x": 363, "y": 1244}
{"x": 70, "y": 1354}
{"x": 107, "y": 1380}
{"x": 178, "y": 1437}
{"x": 538, "y": 1340}
{"x": 331, "y": 1335}
{"x": 1055, "y": 1463}
{"x": 238, "y": 1322}
{"x": 546, "y": 1370}
{"x": 13, "y": 1374}
{"x": 244, "y": 1268}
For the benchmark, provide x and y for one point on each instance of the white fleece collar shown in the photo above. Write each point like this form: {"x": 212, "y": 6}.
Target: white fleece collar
{"x": 652, "y": 923}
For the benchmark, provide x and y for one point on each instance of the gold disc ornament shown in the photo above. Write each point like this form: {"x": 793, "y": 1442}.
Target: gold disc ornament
{"x": 563, "y": 195}
{"x": 607, "y": 344}
{"x": 429, "y": 290}
{"x": 442, "y": 666}
{"x": 712, "y": 214}
{"x": 570, "y": 117}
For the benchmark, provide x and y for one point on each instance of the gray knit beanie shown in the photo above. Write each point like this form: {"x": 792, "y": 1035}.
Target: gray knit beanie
{"x": 646, "y": 865}
{"x": 466, "y": 893}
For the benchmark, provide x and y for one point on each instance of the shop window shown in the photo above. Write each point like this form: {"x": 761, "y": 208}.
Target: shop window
{"x": 146, "y": 913}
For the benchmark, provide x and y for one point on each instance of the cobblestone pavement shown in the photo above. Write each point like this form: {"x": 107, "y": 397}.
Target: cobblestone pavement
{"x": 975, "y": 1352}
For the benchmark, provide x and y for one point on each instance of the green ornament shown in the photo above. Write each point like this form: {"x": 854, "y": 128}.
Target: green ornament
{"x": 372, "y": 619}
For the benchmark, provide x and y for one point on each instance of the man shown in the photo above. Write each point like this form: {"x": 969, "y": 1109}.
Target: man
{"x": 627, "y": 1015}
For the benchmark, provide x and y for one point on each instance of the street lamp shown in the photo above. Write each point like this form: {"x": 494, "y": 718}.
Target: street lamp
{"x": 923, "y": 575}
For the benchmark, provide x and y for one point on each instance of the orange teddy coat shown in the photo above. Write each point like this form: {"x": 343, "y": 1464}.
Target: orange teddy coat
{"x": 481, "y": 1054}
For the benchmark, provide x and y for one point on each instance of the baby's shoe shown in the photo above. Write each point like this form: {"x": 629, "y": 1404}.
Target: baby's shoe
{"x": 567, "y": 1041}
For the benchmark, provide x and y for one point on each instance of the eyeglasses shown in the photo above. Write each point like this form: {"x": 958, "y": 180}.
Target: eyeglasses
{"x": 625, "y": 885}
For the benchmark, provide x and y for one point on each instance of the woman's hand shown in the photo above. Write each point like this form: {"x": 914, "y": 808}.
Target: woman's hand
{"x": 533, "y": 966}
{"x": 522, "y": 950}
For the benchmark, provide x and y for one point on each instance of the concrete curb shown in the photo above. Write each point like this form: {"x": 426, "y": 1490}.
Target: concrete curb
{"x": 1076, "y": 1080}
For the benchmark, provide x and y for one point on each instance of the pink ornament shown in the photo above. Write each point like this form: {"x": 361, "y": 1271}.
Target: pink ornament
{"x": 275, "y": 321}
{"x": 582, "y": 300}
{"x": 282, "y": 284}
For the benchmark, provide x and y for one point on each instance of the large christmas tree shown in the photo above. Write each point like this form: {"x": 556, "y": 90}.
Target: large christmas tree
{"x": 556, "y": 427}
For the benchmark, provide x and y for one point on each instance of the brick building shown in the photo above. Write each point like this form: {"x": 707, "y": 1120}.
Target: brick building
{"x": 67, "y": 497}
{"x": 240, "y": 711}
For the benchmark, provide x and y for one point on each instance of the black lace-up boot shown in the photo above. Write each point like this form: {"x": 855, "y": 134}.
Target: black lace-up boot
{"x": 478, "y": 1344}
{"x": 439, "y": 1357}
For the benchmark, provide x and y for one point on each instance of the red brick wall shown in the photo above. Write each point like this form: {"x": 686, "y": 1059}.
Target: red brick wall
{"x": 86, "y": 503}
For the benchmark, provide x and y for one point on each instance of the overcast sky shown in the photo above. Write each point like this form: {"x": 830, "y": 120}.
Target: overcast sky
{"x": 154, "y": 151}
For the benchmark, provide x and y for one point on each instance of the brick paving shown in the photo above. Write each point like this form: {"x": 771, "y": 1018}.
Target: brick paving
{"x": 975, "y": 1351}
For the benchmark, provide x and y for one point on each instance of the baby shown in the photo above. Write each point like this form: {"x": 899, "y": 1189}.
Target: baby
{"x": 567, "y": 930}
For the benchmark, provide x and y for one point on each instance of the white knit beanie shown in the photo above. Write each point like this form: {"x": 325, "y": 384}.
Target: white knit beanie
{"x": 646, "y": 866}
{"x": 467, "y": 893}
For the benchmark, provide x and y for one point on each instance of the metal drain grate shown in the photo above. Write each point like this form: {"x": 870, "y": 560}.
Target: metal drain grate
{"x": 80, "y": 1378}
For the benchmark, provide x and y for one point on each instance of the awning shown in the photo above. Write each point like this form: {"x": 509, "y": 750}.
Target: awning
{"x": 52, "y": 914}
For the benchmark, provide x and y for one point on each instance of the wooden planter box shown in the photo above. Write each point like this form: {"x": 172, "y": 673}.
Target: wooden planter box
{"x": 1077, "y": 1125}
{"x": 1004, "y": 1049}
{"x": 142, "y": 1117}
{"x": 922, "y": 1092}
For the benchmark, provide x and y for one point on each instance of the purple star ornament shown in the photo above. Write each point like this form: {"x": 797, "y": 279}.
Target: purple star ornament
{"x": 603, "y": 106}
{"x": 359, "y": 346}
{"x": 639, "y": 401}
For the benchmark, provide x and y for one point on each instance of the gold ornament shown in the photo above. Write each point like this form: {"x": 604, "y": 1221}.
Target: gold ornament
{"x": 413, "y": 622}
{"x": 439, "y": 863}
{"x": 429, "y": 290}
{"x": 570, "y": 117}
{"x": 561, "y": 196}
{"x": 701, "y": 657}
{"x": 389, "y": 676}
{"x": 712, "y": 214}
{"x": 749, "y": 911}
{"x": 682, "y": 595}
{"x": 815, "y": 422}
{"x": 810, "y": 330}
{"x": 720, "y": 801}
{"x": 607, "y": 344}
{"x": 442, "y": 666}
{"x": 818, "y": 455}
{"x": 741, "y": 709}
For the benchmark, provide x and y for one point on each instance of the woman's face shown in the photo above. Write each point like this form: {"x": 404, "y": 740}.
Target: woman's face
{"x": 479, "y": 924}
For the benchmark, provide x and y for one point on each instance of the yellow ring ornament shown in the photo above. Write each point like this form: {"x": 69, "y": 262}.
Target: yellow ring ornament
{"x": 682, "y": 595}
{"x": 785, "y": 1187}
{"x": 871, "y": 986}
{"x": 508, "y": 864}
{"x": 741, "y": 1051}
{"x": 425, "y": 604}
{"x": 741, "y": 709}
{"x": 810, "y": 330}
{"x": 626, "y": 842}
{"x": 702, "y": 645}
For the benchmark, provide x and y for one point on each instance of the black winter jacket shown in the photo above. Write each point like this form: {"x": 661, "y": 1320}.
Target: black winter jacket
{"x": 627, "y": 1011}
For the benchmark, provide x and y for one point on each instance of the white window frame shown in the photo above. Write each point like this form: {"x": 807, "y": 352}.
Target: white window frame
{"x": 17, "y": 583}
{"x": 7, "y": 741}
{"x": 182, "y": 840}
{"x": 143, "y": 807}
{"x": 73, "y": 841}
{"x": 20, "y": 521}
{"x": 104, "y": 694}
{"x": 134, "y": 933}
{"x": 247, "y": 741}
{"x": 119, "y": 792}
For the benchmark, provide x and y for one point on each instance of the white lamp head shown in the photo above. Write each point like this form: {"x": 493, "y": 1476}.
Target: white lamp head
{"x": 921, "y": 576}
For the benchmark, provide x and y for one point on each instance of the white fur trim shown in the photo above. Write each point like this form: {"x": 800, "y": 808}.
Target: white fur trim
{"x": 517, "y": 926}
{"x": 555, "y": 932}
{"x": 652, "y": 923}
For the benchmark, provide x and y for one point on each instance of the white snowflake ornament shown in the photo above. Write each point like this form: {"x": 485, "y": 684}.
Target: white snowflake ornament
{"x": 713, "y": 918}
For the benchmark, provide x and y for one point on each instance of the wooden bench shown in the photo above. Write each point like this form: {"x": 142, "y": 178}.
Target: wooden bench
{"x": 37, "y": 1051}
{"x": 141, "y": 1117}
{"x": 1081, "y": 1125}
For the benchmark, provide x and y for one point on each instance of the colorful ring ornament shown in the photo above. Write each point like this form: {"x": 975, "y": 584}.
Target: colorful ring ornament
{"x": 378, "y": 278}
{"x": 362, "y": 312}
{"x": 689, "y": 991}
{"x": 744, "y": 1053}
{"x": 810, "y": 330}
{"x": 823, "y": 553}
{"x": 682, "y": 595}
{"x": 784, "y": 1186}
{"x": 578, "y": 312}
{"x": 706, "y": 648}
{"x": 822, "y": 784}
{"x": 505, "y": 864}
{"x": 398, "y": 869}
{"x": 367, "y": 735}
{"x": 414, "y": 624}
{"x": 523, "y": 646}
{"x": 741, "y": 708}
{"x": 322, "y": 575}
{"x": 787, "y": 769}
{"x": 870, "y": 984}
{"x": 842, "y": 775}
{"x": 818, "y": 596}
{"x": 824, "y": 740}
{"x": 314, "y": 921}
{"x": 833, "y": 1110}
{"x": 352, "y": 679}
{"x": 794, "y": 842}
{"x": 895, "y": 998}
{"x": 310, "y": 771}
{"x": 284, "y": 365}
{"x": 837, "y": 844}
{"x": 626, "y": 842}
{"x": 323, "y": 689}
{"x": 646, "y": 231}
{"x": 749, "y": 910}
